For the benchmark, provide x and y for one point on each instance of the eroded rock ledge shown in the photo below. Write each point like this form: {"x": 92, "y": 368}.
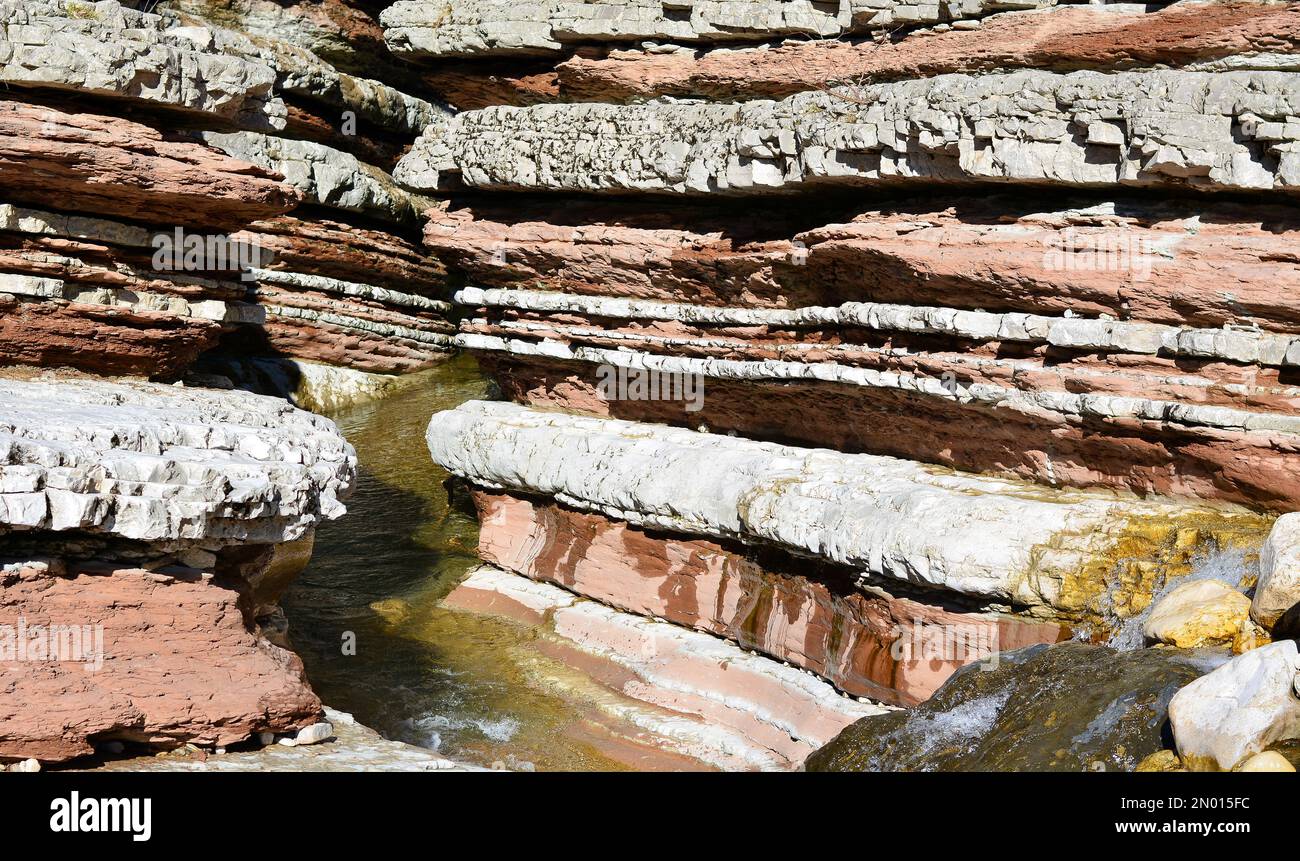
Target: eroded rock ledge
{"x": 461, "y": 28}
{"x": 148, "y": 521}
{"x": 1001, "y": 542}
{"x": 1213, "y": 131}
{"x": 705, "y": 698}
{"x": 166, "y": 464}
{"x": 1224, "y": 35}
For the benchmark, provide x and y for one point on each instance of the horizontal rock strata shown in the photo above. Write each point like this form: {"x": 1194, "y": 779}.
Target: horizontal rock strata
{"x": 994, "y": 540}
{"x": 1065, "y": 38}
{"x": 875, "y": 645}
{"x": 115, "y": 167}
{"x": 459, "y": 28}
{"x": 106, "y": 49}
{"x": 144, "y": 525}
{"x": 211, "y": 144}
{"x": 720, "y": 705}
{"x": 165, "y": 464}
{"x": 749, "y": 401}
{"x": 1094, "y": 345}
{"x": 182, "y": 189}
{"x": 1151, "y": 129}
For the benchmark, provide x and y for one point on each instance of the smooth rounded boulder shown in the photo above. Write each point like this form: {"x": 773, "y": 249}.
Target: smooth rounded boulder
{"x": 1239, "y": 709}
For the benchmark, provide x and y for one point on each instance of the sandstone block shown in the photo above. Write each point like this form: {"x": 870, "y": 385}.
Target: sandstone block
{"x": 1200, "y": 613}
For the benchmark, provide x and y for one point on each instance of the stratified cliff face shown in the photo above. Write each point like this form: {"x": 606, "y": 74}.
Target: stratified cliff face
{"x": 200, "y": 181}
{"x": 841, "y": 344}
{"x": 187, "y": 197}
{"x": 954, "y": 318}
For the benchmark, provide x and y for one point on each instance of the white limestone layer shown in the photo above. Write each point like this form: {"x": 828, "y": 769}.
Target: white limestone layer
{"x": 1213, "y": 131}
{"x": 166, "y": 464}
{"x": 996, "y": 539}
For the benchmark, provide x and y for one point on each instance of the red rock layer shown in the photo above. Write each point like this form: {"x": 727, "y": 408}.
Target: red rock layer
{"x": 1210, "y": 264}
{"x": 110, "y": 167}
{"x": 319, "y": 245}
{"x": 179, "y": 665}
{"x": 93, "y": 265}
{"x": 343, "y": 346}
{"x": 1255, "y": 469}
{"x": 100, "y": 339}
{"x": 468, "y": 86}
{"x": 1065, "y": 39}
{"x": 804, "y": 613}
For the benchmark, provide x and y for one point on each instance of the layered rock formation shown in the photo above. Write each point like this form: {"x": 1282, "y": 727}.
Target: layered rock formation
{"x": 848, "y": 348}
{"x": 185, "y": 198}
{"x": 138, "y": 526}
{"x": 753, "y": 716}
{"x": 127, "y": 139}
{"x": 874, "y": 338}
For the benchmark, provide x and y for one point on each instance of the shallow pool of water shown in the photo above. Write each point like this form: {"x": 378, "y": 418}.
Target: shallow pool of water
{"x": 468, "y": 686}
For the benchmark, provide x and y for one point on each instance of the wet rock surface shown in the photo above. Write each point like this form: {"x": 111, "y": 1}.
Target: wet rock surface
{"x": 1067, "y": 707}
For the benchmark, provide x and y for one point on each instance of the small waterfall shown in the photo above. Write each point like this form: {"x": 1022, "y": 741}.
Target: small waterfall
{"x": 1229, "y": 566}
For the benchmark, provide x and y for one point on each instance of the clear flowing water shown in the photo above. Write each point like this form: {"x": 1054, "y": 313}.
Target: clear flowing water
{"x": 468, "y": 686}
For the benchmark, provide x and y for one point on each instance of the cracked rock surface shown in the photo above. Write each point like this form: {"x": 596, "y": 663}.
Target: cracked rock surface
{"x": 1214, "y": 131}
{"x": 165, "y": 464}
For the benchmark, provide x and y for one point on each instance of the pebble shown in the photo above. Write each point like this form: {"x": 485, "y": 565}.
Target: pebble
{"x": 1269, "y": 760}
{"x": 315, "y": 733}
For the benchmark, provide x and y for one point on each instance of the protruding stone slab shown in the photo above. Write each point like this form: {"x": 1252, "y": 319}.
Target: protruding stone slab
{"x": 324, "y": 175}
{"x": 169, "y": 465}
{"x": 461, "y": 28}
{"x": 108, "y": 166}
{"x": 996, "y": 540}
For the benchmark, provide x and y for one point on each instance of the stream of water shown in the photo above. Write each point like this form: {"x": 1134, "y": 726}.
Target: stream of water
{"x": 466, "y": 685}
